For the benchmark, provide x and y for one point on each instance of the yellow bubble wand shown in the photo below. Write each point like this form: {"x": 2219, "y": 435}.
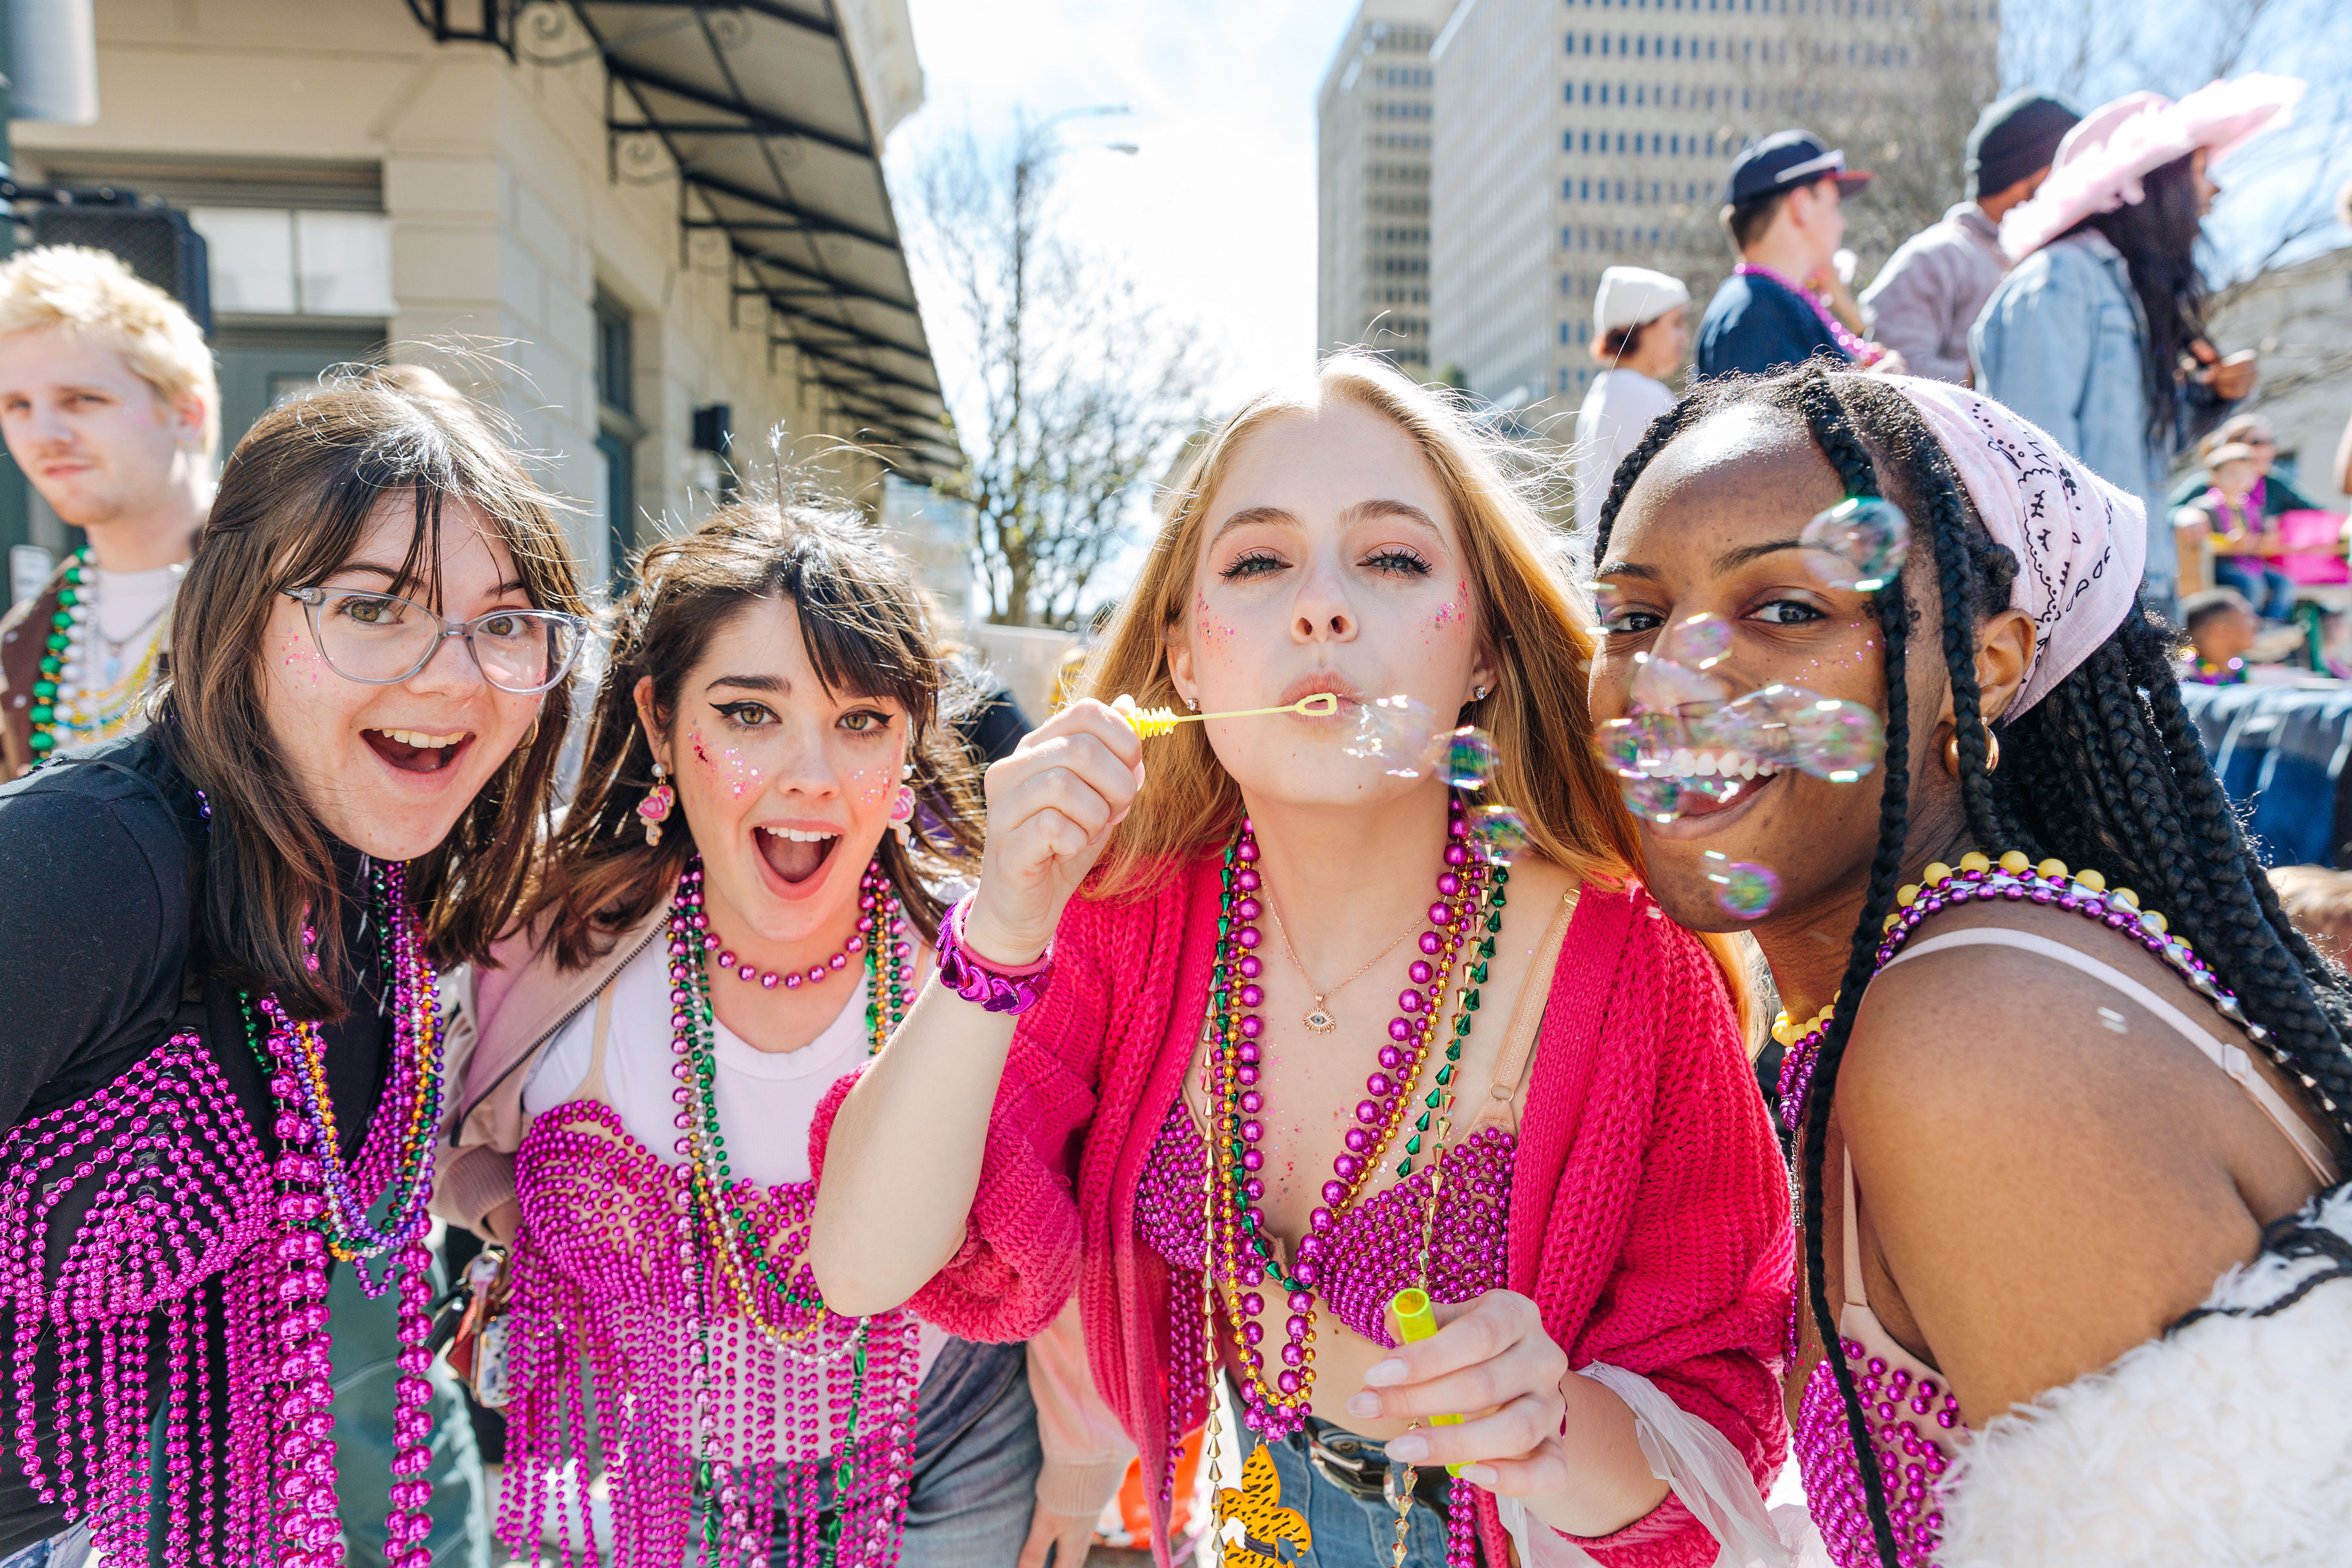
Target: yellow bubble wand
{"x": 1151, "y": 722}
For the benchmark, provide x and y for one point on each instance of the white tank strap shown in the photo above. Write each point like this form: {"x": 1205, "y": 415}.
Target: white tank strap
{"x": 2231, "y": 1057}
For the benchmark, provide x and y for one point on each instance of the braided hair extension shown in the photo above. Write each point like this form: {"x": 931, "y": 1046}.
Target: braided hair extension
{"x": 2106, "y": 769}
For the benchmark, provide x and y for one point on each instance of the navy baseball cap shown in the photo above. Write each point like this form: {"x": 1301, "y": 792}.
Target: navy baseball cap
{"x": 1784, "y": 160}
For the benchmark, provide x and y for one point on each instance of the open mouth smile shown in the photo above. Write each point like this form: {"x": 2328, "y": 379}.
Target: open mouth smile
{"x": 419, "y": 751}
{"x": 795, "y": 854}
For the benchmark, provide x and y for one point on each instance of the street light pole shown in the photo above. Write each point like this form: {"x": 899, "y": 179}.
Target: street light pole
{"x": 1033, "y": 147}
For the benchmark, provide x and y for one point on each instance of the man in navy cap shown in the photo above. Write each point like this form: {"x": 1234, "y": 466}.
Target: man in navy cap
{"x": 1780, "y": 207}
{"x": 1926, "y": 298}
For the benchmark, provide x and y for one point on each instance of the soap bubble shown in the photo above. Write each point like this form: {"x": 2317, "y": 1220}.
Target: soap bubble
{"x": 1470, "y": 758}
{"x": 1661, "y": 683}
{"x": 1663, "y": 761}
{"x": 1699, "y": 642}
{"x": 1500, "y": 831}
{"x": 1404, "y": 735}
{"x": 1743, "y": 889}
{"x": 1668, "y": 760}
{"x": 1858, "y": 544}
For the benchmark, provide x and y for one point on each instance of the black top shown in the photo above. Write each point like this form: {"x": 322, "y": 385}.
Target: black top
{"x": 99, "y": 854}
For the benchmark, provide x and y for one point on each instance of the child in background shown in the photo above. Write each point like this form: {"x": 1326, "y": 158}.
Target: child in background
{"x": 2319, "y": 901}
{"x": 2245, "y": 542}
{"x": 2222, "y": 627}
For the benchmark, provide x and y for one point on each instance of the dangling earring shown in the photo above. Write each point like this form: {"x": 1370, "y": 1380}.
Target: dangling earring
{"x": 1952, "y": 752}
{"x": 902, "y": 811}
{"x": 654, "y": 810}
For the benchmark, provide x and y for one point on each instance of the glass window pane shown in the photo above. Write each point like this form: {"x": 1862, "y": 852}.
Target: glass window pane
{"x": 345, "y": 263}
{"x": 252, "y": 254}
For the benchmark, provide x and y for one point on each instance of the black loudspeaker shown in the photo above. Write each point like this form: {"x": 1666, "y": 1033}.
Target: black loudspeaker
{"x": 713, "y": 428}
{"x": 154, "y": 242}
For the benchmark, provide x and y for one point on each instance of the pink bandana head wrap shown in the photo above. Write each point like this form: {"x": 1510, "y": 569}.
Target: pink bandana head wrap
{"x": 2079, "y": 542}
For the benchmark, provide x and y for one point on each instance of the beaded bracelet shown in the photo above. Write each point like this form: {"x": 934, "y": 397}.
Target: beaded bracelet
{"x": 998, "y": 988}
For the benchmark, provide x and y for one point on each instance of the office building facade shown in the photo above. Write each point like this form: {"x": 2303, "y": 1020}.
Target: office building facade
{"x": 1582, "y": 136}
{"x": 1374, "y": 135}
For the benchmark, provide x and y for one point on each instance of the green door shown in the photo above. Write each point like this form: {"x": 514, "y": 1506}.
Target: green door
{"x": 264, "y": 362}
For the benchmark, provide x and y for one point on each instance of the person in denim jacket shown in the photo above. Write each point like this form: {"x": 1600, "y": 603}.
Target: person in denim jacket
{"x": 2097, "y": 333}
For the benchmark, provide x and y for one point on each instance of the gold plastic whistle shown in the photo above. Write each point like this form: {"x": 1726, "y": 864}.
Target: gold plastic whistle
{"x": 1411, "y": 1318}
{"x": 1152, "y": 722}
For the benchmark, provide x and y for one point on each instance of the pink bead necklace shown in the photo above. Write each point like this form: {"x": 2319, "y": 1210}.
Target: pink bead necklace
{"x": 743, "y": 1421}
{"x": 1240, "y": 1255}
{"x": 174, "y": 1191}
{"x": 1861, "y": 352}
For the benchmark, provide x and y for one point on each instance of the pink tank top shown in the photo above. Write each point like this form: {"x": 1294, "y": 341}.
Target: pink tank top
{"x": 1914, "y": 1421}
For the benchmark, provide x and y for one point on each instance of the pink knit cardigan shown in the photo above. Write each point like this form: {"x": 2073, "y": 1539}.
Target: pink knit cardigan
{"x": 1649, "y": 1211}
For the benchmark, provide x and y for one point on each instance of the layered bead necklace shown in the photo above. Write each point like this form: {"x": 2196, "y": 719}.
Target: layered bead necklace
{"x": 74, "y": 701}
{"x": 180, "y": 1192}
{"x": 881, "y": 935}
{"x": 1241, "y": 1252}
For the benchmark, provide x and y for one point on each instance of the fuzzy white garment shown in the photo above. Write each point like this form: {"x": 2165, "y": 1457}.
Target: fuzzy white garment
{"x": 2229, "y": 1442}
{"x": 1697, "y": 1463}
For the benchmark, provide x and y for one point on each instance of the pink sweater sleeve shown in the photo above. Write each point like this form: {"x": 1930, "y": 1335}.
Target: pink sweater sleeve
{"x": 1696, "y": 1297}
{"x": 1019, "y": 1261}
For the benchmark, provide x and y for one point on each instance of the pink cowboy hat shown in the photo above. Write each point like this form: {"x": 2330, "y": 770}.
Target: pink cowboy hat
{"x": 2100, "y": 164}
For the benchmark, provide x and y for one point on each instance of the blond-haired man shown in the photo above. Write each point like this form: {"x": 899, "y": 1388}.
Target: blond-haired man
{"x": 110, "y": 406}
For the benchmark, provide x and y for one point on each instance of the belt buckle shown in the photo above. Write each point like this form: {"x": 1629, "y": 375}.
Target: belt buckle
{"x": 1345, "y": 1465}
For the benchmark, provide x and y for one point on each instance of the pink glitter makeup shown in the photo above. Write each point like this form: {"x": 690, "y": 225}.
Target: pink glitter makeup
{"x": 741, "y": 777}
{"x": 1453, "y": 609}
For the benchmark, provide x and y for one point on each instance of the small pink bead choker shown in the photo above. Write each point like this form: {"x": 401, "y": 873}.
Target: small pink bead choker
{"x": 871, "y": 885}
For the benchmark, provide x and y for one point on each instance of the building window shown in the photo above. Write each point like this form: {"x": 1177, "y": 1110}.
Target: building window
{"x": 618, "y": 430}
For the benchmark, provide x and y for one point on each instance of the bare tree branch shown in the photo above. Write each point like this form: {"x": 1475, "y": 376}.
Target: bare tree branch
{"x": 1069, "y": 391}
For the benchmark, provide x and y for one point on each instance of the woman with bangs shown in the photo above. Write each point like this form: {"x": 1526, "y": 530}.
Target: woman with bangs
{"x": 1157, "y": 1066}
{"x": 738, "y": 904}
{"x": 219, "y": 942}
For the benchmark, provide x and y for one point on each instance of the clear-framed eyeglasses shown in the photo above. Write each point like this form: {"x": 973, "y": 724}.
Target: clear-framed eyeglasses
{"x": 380, "y": 639}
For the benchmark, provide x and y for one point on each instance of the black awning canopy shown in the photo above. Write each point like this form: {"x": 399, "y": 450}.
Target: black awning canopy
{"x": 759, "y": 106}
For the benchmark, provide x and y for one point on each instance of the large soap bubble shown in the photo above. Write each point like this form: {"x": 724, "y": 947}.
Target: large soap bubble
{"x": 1401, "y": 733}
{"x": 1746, "y": 889}
{"x": 1792, "y": 727}
{"x": 1660, "y": 682}
{"x": 1858, "y": 544}
{"x": 1470, "y": 759}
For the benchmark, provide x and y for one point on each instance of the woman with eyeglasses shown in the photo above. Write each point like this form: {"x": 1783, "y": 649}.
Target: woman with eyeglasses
{"x": 218, "y": 947}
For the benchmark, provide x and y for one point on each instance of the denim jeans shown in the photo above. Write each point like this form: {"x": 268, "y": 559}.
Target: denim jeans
{"x": 976, "y": 1461}
{"x": 1351, "y": 1532}
{"x": 364, "y": 1345}
{"x": 2271, "y": 592}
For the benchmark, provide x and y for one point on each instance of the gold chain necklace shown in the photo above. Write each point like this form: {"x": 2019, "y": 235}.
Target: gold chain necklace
{"x": 1319, "y": 1018}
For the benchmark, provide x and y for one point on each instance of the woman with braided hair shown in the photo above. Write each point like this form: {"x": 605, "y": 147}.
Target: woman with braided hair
{"x": 2022, "y": 1172}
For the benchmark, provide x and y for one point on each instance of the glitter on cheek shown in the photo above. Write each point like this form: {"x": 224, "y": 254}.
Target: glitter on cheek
{"x": 299, "y": 651}
{"x": 1452, "y": 611}
{"x": 740, "y": 775}
{"x": 1212, "y": 629}
{"x": 870, "y": 784}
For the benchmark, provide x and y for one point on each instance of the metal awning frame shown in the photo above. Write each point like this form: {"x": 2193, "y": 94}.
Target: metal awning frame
{"x": 862, "y": 342}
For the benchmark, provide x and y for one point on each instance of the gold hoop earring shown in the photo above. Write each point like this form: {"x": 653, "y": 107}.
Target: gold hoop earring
{"x": 1952, "y": 752}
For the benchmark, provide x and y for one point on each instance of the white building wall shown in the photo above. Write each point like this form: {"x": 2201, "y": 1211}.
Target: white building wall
{"x": 504, "y": 222}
